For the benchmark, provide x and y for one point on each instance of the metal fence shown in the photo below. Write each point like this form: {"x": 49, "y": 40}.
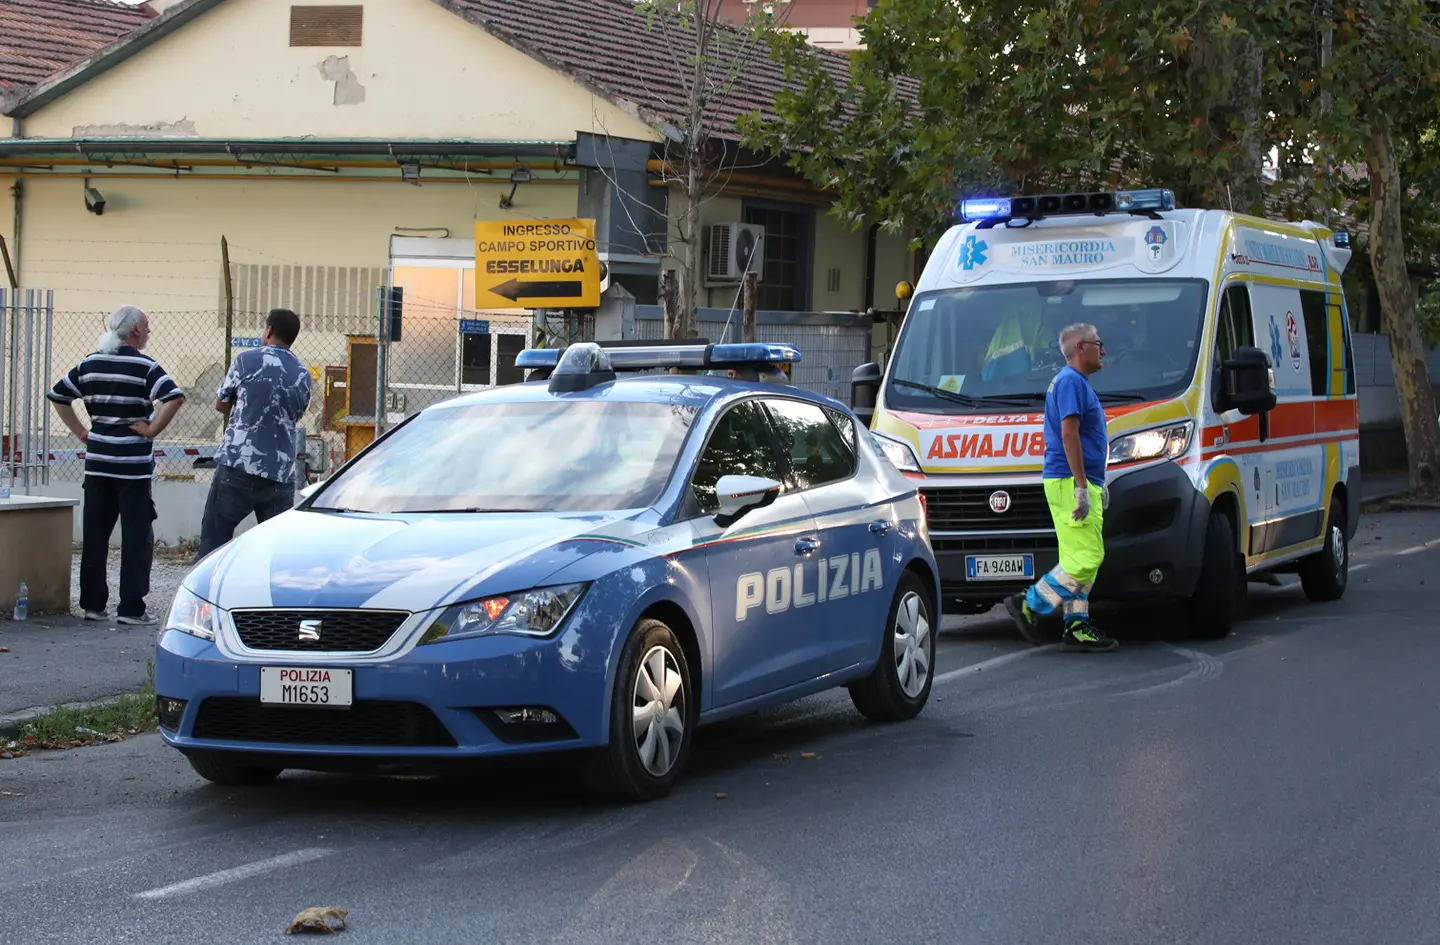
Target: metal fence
{"x": 25, "y": 337}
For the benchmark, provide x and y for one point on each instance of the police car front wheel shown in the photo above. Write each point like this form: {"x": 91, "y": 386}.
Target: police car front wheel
{"x": 900, "y": 685}
{"x": 652, "y": 716}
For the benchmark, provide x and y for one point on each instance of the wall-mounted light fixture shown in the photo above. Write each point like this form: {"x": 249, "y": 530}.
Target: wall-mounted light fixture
{"x": 410, "y": 173}
{"x": 520, "y": 175}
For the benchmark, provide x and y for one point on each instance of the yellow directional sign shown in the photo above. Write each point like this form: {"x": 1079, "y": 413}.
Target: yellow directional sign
{"x": 536, "y": 264}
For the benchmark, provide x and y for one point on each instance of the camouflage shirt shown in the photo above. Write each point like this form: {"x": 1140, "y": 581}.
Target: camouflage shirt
{"x": 270, "y": 390}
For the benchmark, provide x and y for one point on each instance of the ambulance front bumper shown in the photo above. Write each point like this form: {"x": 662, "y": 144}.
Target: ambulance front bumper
{"x": 1154, "y": 536}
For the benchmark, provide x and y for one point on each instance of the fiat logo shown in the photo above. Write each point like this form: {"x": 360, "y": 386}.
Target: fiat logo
{"x": 1000, "y": 502}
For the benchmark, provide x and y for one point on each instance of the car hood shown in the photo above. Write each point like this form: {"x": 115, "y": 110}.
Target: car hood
{"x": 306, "y": 559}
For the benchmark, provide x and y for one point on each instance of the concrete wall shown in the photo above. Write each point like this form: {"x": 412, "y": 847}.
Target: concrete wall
{"x": 422, "y": 72}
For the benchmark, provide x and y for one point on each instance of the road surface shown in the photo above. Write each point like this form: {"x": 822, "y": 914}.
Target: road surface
{"x": 1276, "y": 787}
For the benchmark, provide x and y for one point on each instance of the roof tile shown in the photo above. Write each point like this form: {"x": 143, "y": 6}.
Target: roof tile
{"x": 39, "y": 38}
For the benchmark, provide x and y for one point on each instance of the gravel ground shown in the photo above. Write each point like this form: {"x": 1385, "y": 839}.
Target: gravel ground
{"x": 168, "y": 570}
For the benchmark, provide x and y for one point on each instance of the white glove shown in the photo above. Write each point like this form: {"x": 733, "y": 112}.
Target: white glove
{"x": 1082, "y": 503}
{"x": 1105, "y": 497}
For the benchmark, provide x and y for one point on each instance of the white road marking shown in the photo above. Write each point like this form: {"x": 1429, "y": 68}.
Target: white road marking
{"x": 211, "y": 880}
{"x": 1358, "y": 567}
{"x": 1413, "y": 551}
{"x": 1416, "y": 549}
{"x": 987, "y": 664}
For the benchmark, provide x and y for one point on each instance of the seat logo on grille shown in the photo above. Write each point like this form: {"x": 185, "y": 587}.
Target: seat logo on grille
{"x": 310, "y": 631}
{"x": 999, "y": 501}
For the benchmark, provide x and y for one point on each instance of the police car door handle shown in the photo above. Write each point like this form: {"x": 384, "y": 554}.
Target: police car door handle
{"x": 880, "y": 527}
{"x": 806, "y": 546}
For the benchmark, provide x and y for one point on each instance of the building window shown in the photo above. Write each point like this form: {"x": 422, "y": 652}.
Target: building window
{"x": 326, "y": 26}
{"x": 786, "y": 283}
{"x": 1317, "y": 339}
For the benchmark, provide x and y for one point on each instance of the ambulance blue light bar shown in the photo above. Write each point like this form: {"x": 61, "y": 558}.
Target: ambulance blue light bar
{"x": 996, "y": 209}
{"x": 650, "y": 357}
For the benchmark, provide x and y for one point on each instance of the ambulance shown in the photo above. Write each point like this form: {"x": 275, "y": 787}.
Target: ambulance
{"x": 1228, "y": 385}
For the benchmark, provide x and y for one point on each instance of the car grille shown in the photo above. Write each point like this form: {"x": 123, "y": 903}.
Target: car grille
{"x": 992, "y": 545}
{"x": 968, "y": 509}
{"x": 341, "y": 631}
{"x": 365, "y": 724}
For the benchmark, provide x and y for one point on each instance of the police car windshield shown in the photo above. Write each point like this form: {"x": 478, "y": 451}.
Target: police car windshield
{"x": 999, "y": 346}
{"x": 530, "y": 457}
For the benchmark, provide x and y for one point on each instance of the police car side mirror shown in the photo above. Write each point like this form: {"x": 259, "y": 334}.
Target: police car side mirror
{"x": 1247, "y": 382}
{"x": 740, "y": 494}
{"x": 864, "y": 390}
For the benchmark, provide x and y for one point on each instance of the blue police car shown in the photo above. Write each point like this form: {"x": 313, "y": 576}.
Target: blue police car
{"x": 576, "y": 562}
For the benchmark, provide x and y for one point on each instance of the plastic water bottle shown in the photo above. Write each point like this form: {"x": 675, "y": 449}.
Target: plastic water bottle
{"x": 22, "y": 602}
{"x": 5, "y": 478}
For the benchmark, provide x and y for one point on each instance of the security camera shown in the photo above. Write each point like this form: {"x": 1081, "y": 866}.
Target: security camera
{"x": 94, "y": 202}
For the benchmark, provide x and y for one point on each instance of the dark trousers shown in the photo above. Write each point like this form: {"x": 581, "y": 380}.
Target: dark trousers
{"x": 129, "y": 501}
{"x": 234, "y": 495}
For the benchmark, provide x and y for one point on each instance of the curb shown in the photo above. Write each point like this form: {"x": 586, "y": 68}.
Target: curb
{"x": 11, "y": 722}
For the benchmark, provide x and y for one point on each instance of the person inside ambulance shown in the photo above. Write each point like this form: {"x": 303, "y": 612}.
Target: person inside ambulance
{"x": 1015, "y": 344}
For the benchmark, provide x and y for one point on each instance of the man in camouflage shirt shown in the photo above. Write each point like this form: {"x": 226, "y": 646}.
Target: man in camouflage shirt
{"x": 264, "y": 395}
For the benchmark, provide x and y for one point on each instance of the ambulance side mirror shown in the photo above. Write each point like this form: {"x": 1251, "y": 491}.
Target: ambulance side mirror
{"x": 1247, "y": 383}
{"x": 865, "y": 390}
{"x": 737, "y": 495}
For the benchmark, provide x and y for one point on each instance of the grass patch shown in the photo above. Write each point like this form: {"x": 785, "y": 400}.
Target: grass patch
{"x": 78, "y": 726}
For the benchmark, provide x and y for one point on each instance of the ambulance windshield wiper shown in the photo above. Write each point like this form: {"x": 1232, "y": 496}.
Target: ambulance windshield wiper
{"x": 1120, "y": 396}
{"x": 1013, "y": 400}
{"x": 940, "y": 392}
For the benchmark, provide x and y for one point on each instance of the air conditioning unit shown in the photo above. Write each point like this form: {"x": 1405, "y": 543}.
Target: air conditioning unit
{"x": 735, "y": 249}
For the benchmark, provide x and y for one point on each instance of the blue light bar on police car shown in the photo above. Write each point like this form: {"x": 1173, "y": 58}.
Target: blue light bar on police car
{"x": 673, "y": 356}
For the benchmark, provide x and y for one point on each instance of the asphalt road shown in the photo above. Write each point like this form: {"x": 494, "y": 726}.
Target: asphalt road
{"x": 1279, "y": 786}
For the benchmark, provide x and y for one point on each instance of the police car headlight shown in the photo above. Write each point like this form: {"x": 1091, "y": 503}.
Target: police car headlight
{"x": 1159, "y": 443}
{"x": 535, "y": 613}
{"x": 901, "y": 456}
{"x": 193, "y": 615}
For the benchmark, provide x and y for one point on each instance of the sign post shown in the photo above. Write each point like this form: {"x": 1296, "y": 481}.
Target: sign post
{"x": 536, "y": 264}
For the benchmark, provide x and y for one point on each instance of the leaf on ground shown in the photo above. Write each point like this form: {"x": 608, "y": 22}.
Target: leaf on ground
{"x": 809, "y": 755}
{"x": 721, "y": 796}
{"x": 782, "y": 756}
{"x": 326, "y": 920}
{"x": 4, "y": 649}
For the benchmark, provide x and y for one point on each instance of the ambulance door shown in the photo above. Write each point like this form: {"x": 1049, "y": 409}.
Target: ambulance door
{"x": 1290, "y": 467}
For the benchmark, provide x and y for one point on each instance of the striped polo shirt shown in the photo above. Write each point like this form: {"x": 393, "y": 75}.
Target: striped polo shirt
{"x": 118, "y": 390}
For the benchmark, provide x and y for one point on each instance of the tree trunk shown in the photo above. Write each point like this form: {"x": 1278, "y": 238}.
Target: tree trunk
{"x": 1397, "y": 310}
{"x": 670, "y": 302}
{"x": 690, "y": 244}
{"x": 750, "y": 289}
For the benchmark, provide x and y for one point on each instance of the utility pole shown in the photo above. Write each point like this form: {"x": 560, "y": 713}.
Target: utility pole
{"x": 751, "y": 289}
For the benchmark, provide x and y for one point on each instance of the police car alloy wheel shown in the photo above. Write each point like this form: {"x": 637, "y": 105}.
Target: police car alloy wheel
{"x": 900, "y": 684}
{"x": 652, "y": 717}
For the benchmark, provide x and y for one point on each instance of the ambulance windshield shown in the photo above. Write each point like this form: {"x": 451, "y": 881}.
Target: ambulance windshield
{"x": 996, "y": 348}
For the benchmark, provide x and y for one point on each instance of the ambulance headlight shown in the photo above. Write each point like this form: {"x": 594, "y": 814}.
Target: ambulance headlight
{"x": 1159, "y": 443}
{"x": 534, "y": 613}
{"x": 901, "y": 456}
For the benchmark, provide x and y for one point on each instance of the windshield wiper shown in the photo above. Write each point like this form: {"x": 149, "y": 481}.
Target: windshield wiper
{"x": 459, "y": 511}
{"x": 1122, "y": 397}
{"x": 940, "y": 392}
{"x": 1016, "y": 400}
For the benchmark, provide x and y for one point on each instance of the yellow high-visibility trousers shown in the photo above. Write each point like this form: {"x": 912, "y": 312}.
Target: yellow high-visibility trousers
{"x": 1082, "y": 550}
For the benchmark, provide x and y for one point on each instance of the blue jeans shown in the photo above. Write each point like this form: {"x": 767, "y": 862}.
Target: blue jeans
{"x": 233, "y": 496}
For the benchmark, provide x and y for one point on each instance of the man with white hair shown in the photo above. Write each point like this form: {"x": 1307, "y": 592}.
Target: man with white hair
{"x": 1076, "y": 450}
{"x": 119, "y": 387}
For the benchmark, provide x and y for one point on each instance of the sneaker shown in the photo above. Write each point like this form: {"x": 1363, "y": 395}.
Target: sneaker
{"x": 95, "y": 615}
{"x": 1019, "y": 612}
{"x": 144, "y": 620}
{"x": 1088, "y": 638}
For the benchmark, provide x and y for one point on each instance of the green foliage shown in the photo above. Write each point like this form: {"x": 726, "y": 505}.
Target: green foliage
{"x": 999, "y": 96}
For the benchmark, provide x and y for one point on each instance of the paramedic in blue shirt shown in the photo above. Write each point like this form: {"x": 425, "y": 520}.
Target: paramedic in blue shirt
{"x": 263, "y": 397}
{"x": 1076, "y": 450}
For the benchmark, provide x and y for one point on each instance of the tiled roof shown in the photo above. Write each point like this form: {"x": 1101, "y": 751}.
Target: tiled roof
{"x": 606, "y": 44}
{"x": 39, "y": 38}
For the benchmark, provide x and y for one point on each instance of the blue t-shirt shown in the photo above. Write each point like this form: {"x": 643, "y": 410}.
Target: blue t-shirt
{"x": 270, "y": 390}
{"x": 1070, "y": 395}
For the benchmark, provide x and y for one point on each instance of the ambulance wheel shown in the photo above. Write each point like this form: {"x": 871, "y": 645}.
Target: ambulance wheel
{"x": 652, "y": 717}
{"x": 215, "y": 769}
{"x": 1323, "y": 575}
{"x": 900, "y": 685}
{"x": 1220, "y": 594}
